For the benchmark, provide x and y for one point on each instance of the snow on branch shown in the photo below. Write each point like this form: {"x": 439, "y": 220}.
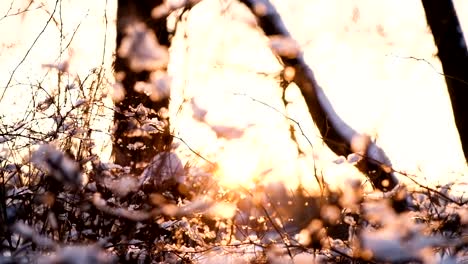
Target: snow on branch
{"x": 141, "y": 47}
{"x": 169, "y": 6}
{"x": 58, "y": 165}
{"x": 338, "y": 135}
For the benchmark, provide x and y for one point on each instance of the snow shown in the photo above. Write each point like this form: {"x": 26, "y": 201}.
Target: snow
{"x": 59, "y": 166}
{"x": 165, "y": 166}
{"x": 140, "y": 46}
{"x": 227, "y": 105}
{"x": 157, "y": 89}
{"x": 285, "y": 46}
{"x": 357, "y": 55}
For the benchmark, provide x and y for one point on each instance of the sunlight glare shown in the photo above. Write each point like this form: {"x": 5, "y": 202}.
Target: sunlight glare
{"x": 237, "y": 166}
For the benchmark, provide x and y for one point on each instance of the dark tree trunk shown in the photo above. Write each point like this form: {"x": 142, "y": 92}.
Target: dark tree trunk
{"x": 453, "y": 54}
{"x": 130, "y": 11}
{"x": 335, "y": 132}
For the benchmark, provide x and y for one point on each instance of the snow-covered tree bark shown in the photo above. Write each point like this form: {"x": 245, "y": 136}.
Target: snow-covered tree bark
{"x": 338, "y": 135}
{"x": 453, "y": 54}
{"x": 141, "y": 59}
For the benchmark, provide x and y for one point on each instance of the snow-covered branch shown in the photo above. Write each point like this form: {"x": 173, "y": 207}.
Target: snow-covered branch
{"x": 338, "y": 135}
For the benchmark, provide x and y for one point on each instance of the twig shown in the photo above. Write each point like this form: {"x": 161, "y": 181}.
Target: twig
{"x": 29, "y": 50}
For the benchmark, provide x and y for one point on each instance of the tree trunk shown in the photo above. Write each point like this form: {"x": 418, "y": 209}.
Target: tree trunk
{"x": 453, "y": 55}
{"x": 126, "y": 119}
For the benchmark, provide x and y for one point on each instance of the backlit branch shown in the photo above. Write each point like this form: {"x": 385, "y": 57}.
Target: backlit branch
{"x": 338, "y": 135}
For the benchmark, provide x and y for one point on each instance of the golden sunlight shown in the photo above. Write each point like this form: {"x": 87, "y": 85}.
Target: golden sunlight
{"x": 177, "y": 131}
{"x": 361, "y": 57}
{"x": 238, "y": 166}
{"x": 360, "y": 53}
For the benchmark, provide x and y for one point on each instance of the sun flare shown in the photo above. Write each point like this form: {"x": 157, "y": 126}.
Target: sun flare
{"x": 237, "y": 167}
